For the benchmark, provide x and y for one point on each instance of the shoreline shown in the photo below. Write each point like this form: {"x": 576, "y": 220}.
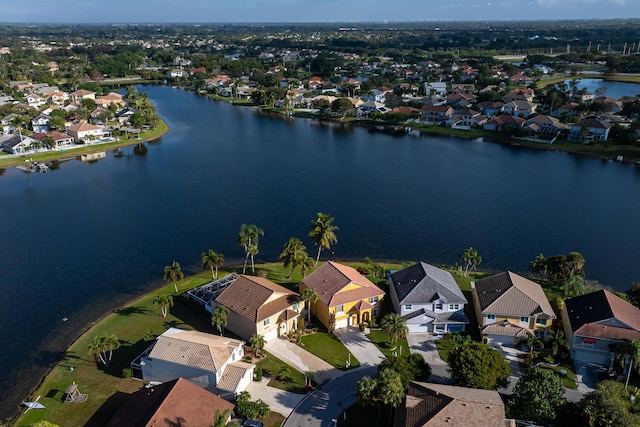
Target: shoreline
{"x": 161, "y": 129}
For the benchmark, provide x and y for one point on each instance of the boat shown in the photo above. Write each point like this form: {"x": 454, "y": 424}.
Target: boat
{"x": 33, "y": 405}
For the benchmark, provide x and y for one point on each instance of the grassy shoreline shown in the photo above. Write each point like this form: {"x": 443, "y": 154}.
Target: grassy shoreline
{"x": 162, "y": 128}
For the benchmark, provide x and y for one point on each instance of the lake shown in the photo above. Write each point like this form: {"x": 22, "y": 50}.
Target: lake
{"x": 613, "y": 89}
{"x": 81, "y": 240}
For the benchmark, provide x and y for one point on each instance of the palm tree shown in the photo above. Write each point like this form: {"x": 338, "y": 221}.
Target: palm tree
{"x": 556, "y": 340}
{"x": 395, "y": 326}
{"x": 102, "y": 347}
{"x": 293, "y": 254}
{"x": 220, "y": 418}
{"x": 309, "y": 296}
{"x": 164, "y": 301}
{"x": 306, "y": 263}
{"x": 539, "y": 265}
{"x": 220, "y": 318}
{"x": 471, "y": 260}
{"x": 257, "y": 343}
{"x": 323, "y": 233}
{"x": 532, "y": 342}
{"x": 248, "y": 239}
{"x": 173, "y": 273}
{"x": 211, "y": 259}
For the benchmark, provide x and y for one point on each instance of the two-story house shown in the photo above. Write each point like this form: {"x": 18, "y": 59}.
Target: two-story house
{"x": 509, "y": 307}
{"x": 432, "y": 114}
{"x": 428, "y": 298}
{"x": 590, "y": 129}
{"x": 346, "y": 297}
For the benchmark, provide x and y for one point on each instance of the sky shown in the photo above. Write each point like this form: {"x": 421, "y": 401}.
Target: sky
{"x": 252, "y": 11}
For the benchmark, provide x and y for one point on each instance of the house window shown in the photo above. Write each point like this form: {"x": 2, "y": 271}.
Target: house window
{"x": 453, "y": 307}
{"x": 407, "y": 306}
{"x": 266, "y": 322}
{"x": 373, "y": 300}
{"x": 374, "y": 312}
{"x": 295, "y": 307}
{"x": 524, "y": 319}
{"x": 491, "y": 317}
{"x": 439, "y": 306}
{"x": 340, "y": 308}
{"x": 541, "y": 321}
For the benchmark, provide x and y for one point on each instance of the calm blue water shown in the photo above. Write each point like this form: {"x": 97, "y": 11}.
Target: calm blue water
{"x": 79, "y": 241}
{"x": 613, "y": 89}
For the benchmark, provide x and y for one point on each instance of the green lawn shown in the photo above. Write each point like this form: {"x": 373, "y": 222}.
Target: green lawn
{"x": 270, "y": 366}
{"x": 381, "y": 340}
{"x": 329, "y": 348}
{"x": 568, "y": 380}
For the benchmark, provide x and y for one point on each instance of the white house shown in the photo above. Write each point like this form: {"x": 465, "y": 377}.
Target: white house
{"x": 83, "y": 132}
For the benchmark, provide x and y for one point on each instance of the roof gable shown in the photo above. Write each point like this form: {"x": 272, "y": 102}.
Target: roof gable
{"x": 510, "y": 294}
{"x": 423, "y": 283}
{"x": 598, "y": 306}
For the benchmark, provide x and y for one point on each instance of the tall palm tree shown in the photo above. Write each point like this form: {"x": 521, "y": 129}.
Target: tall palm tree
{"x": 164, "y": 301}
{"x": 323, "y": 233}
{"x": 557, "y": 341}
{"x": 309, "y": 296}
{"x": 173, "y": 273}
{"x": 220, "y": 418}
{"x": 102, "y": 347}
{"x": 248, "y": 238}
{"x": 220, "y": 318}
{"x": 532, "y": 342}
{"x": 257, "y": 343}
{"x": 395, "y": 326}
{"x": 293, "y": 254}
{"x": 212, "y": 260}
{"x": 306, "y": 263}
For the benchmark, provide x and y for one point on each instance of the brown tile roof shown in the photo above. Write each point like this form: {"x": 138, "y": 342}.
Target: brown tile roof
{"x": 509, "y": 294}
{"x": 177, "y": 402}
{"x": 441, "y": 405}
{"x": 505, "y": 328}
{"x": 600, "y": 306}
{"x": 81, "y": 92}
{"x": 256, "y": 298}
{"x": 608, "y": 332}
{"x": 331, "y": 278}
{"x": 195, "y": 349}
{"x": 82, "y": 127}
{"x": 232, "y": 375}
{"x": 54, "y": 134}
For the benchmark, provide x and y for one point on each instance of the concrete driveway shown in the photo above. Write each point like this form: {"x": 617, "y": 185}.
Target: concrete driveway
{"x": 280, "y": 401}
{"x": 301, "y": 359}
{"x": 360, "y": 346}
{"x": 425, "y": 345}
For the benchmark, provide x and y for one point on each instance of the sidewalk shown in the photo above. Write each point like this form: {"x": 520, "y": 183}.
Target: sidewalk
{"x": 360, "y": 346}
{"x": 301, "y": 359}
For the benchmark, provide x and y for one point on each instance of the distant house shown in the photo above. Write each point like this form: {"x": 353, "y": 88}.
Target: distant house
{"x": 520, "y": 94}
{"x": 458, "y": 88}
{"x": 544, "y": 125}
{"x": 570, "y": 109}
{"x": 344, "y": 294}
{"x": 61, "y": 139}
{"x": 466, "y": 118}
{"x": 439, "y": 405}
{"x": 435, "y": 88}
{"x": 81, "y": 94}
{"x": 8, "y": 123}
{"x": 18, "y": 144}
{"x": 85, "y": 132}
{"x": 522, "y": 109}
{"x": 509, "y": 307}
{"x": 371, "y": 106}
{"x": 177, "y": 73}
{"x": 259, "y": 306}
{"x": 594, "y": 323}
{"x": 40, "y": 123}
{"x": 428, "y": 298}
{"x": 590, "y": 129}
{"x": 462, "y": 100}
{"x": 173, "y": 403}
{"x": 196, "y": 70}
{"x": 491, "y": 108}
{"x": 112, "y": 98}
{"x": 502, "y": 122}
{"x": 209, "y": 361}
{"x": 34, "y": 100}
{"x": 436, "y": 114}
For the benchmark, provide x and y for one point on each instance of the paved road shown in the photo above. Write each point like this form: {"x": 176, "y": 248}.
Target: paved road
{"x": 328, "y": 401}
{"x": 279, "y": 401}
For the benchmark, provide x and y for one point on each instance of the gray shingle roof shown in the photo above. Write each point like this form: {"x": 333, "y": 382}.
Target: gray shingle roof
{"x": 422, "y": 283}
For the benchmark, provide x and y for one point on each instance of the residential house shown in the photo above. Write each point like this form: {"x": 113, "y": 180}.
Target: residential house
{"x": 523, "y": 109}
{"x": 315, "y": 83}
{"x": 521, "y": 79}
{"x": 585, "y": 98}
{"x": 466, "y": 118}
{"x": 53, "y": 66}
{"x": 258, "y": 306}
{"x": 520, "y": 94}
{"x": 8, "y": 123}
{"x": 458, "y": 88}
{"x": 544, "y": 125}
{"x": 373, "y": 106}
{"x": 56, "y": 98}
{"x": 18, "y": 144}
{"x": 34, "y": 100}
{"x": 409, "y": 111}
{"x": 177, "y": 73}
{"x": 437, "y": 405}
{"x": 436, "y": 114}
{"x": 462, "y": 100}
{"x": 40, "y": 123}
{"x": 502, "y": 122}
{"x": 209, "y": 361}
{"x": 570, "y": 109}
{"x": 435, "y": 88}
{"x": 79, "y": 95}
{"x": 173, "y": 403}
{"x": 196, "y": 70}
{"x": 124, "y": 115}
{"x": 615, "y": 106}
{"x": 491, "y": 108}
{"x": 61, "y": 139}
{"x": 594, "y": 323}
{"x": 84, "y": 132}
{"x": 111, "y": 98}
{"x": 428, "y": 298}
{"x": 346, "y": 297}
{"x": 589, "y": 130}
{"x": 509, "y": 307}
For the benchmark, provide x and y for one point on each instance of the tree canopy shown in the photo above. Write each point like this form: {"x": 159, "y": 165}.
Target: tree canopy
{"x": 477, "y": 365}
{"x": 537, "y": 396}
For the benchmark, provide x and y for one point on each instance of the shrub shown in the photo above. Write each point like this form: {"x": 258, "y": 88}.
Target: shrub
{"x": 301, "y": 324}
{"x": 361, "y": 326}
{"x": 259, "y": 374}
{"x": 126, "y": 373}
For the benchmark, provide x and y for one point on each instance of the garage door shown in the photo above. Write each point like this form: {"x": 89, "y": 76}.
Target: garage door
{"x": 599, "y": 358}
{"x": 504, "y": 340}
{"x": 342, "y": 323}
{"x": 271, "y": 335}
{"x": 418, "y": 328}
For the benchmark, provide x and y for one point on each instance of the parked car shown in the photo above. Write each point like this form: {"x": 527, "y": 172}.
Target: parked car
{"x": 253, "y": 423}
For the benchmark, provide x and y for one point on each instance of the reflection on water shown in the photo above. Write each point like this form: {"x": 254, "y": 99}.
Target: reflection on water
{"x": 93, "y": 157}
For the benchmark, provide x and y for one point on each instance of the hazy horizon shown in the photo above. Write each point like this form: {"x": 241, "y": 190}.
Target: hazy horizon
{"x": 305, "y": 11}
